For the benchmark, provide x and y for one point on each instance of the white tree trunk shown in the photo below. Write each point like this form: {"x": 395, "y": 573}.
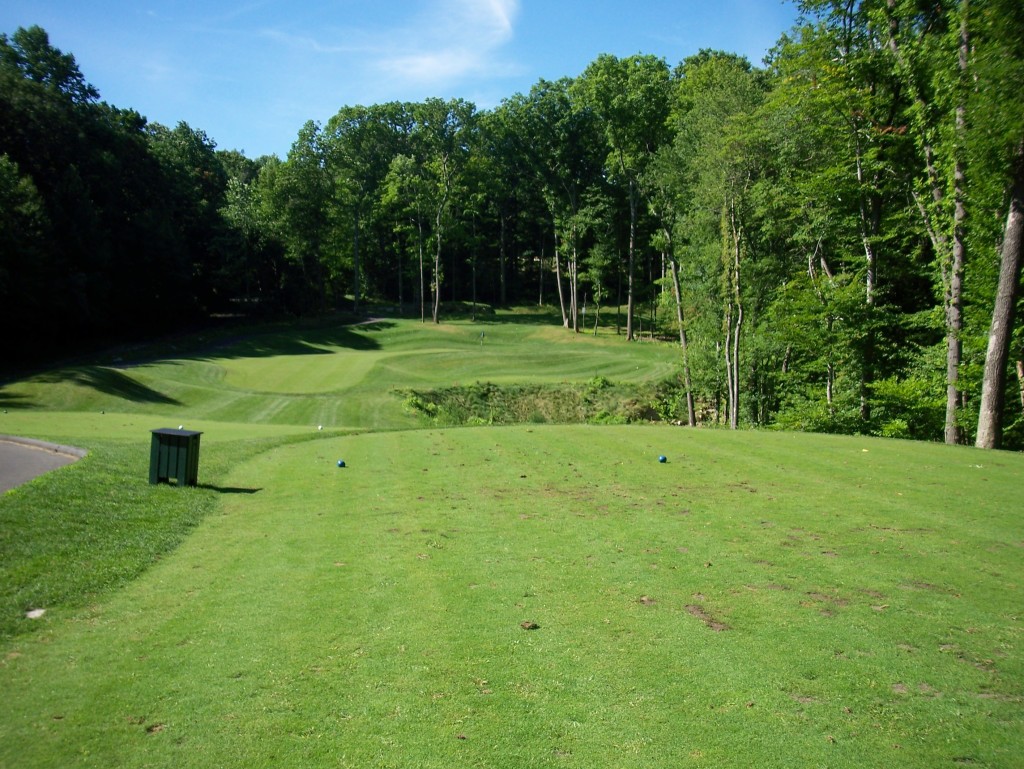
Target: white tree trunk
{"x": 990, "y": 415}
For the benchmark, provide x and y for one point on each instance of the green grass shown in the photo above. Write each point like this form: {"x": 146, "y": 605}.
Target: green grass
{"x": 761, "y": 599}
{"x": 335, "y": 376}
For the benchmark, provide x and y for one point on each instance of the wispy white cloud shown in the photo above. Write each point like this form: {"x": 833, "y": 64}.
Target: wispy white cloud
{"x": 445, "y": 43}
{"x": 453, "y": 39}
{"x": 311, "y": 45}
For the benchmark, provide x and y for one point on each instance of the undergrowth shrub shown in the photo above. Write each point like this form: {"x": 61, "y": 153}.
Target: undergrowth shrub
{"x": 597, "y": 401}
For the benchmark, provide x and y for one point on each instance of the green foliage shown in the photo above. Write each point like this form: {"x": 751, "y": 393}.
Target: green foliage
{"x": 599, "y": 401}
{"x": 28, "y": 53}
{"x": 630, "y": 97}
{"x": 816, "y": 415}
{"x": 486, "y": 403}
{"x": 909, "y": 408}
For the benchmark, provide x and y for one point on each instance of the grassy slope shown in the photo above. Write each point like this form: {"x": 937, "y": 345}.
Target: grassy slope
{"x": 370, "y": 616}
{"x": 341, "y": 377}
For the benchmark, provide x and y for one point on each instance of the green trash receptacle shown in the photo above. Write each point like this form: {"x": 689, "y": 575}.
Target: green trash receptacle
{"x": 174, "y": 454}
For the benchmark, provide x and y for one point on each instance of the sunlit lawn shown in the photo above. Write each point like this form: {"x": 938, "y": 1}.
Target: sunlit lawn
{"x": 759, "y": 599}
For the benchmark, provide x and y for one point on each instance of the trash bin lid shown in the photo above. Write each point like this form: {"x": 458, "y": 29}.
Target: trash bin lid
{"x": 175, "y": 431}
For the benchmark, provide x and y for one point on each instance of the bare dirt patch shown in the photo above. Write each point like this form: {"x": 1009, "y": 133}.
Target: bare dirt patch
{"x": 699, "y": 612}
{"x": 824, "y": 603}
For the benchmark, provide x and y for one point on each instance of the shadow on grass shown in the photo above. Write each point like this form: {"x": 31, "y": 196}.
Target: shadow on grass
{"x": 14, "y": 402}
{"x": 299, "y": 341}
{"x": 551, "y": 316}
{"x": 536, "y": 317}
{"x": 228, "y": 489}
{"x": 110, "y": 382}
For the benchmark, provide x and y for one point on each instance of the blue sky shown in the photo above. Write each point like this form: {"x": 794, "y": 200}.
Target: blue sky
{"x": 250, "y": 72}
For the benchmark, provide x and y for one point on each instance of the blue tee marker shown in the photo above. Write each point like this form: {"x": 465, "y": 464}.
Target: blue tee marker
{"x": 341, "y": 463}
{"x": 663, "y": 459}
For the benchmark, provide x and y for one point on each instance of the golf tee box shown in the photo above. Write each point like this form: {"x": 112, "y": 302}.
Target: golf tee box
{"x": 174, "y": 454}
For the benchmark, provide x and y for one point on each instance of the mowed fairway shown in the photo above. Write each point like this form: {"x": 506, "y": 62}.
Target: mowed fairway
{"x": 759, "y": 599}
{"x": 336, "y": 376}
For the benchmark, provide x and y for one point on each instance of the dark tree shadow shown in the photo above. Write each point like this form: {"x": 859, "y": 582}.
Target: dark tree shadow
{"x": 303, "y": 341}
{"x": 546, "y": 316}
{"x": 14, "y": 402}
{"x": 110, "y": 382}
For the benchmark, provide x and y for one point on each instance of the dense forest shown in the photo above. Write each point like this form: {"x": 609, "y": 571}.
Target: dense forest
{"x": 833, "y": 240}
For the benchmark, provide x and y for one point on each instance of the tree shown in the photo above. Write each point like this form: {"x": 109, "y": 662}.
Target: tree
{"x": 24, "y": 236}
{"x": 717, "y": 169}
{"x": 997, "y": 96}
{"x": 561, "y": 143}
{"x": 990, "y": 417}
{"x": 256, "y": 251}
{"x": 837, "y": 91}
{"x": 502, "y": 167}
{"x": 298, "y": 195}
{"x": 930, "y": 48}
{"x": 120, "y": 238}
{"x": 405, "y": 189}
{"x": 442, "y": 130}
{"x": 28, "y": 51}
{"x": 630, "y": 98}
{"x": 195, "y": 191}
{"x": 360, "y": 144}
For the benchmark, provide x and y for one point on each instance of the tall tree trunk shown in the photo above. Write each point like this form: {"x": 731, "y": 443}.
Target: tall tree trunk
{"x": 812, "y": 273}
{"x": 990, "y": 416}
{"x": 677, "y": 293}
{"x": 954, "y": 304}
{"x": 356, "y": 277}
{"x": 1020, "y": 383}
{"x": 731, "y": 242}
{"x": 437, "y": 270}
{"x": 473, "y": 279}
{"x": 950, "y": 255}
{"x": 730, "y": 403}
{"x": 631, "y": 276}
{"x": 574, "y": 309}
{"x": 472, "y": 269}
{"x": 870, "y": 224}
{"x": 503, "y": 261}
{"x": 558, "y": 282}
{"x": 618, "y": 295}
{"x": 402, "y": 246}
{"x": 423, "y": 282}
{"x": 735, "y": 423}
{"x": 540, "y": 279}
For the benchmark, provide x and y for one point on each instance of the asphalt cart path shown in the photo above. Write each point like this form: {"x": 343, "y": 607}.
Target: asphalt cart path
{"x": 22, "y": 459}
